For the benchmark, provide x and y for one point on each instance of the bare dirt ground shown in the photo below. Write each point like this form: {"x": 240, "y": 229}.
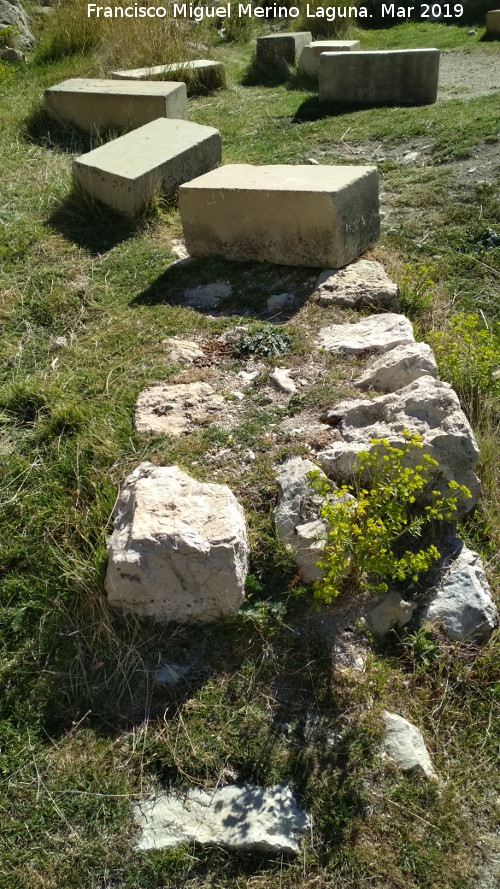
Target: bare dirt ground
{"x": 465, "y": 75}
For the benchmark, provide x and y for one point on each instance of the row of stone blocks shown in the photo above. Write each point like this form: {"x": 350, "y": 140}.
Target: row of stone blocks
{"x": 350, "y": 77}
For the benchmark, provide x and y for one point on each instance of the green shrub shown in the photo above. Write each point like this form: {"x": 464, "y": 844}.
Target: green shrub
{"x": 416, "y": 290}
{"x": 468, "y": 357}
{"x": 373, "y": 538}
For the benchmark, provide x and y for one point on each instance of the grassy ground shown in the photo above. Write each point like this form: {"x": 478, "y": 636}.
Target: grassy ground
{"x": 83, "y": 729}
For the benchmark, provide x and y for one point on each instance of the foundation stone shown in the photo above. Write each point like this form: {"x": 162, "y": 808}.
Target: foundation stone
{"x": 381, "y": 77}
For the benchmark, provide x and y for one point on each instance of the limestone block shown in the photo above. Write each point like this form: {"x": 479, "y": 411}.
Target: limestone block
{"x": 98, "y": 105}
{"x": 363, "y": 283}
{"x": 378, "y": 333}
{"x": 182, "y": 351}
{"x": 380, "y": 77}
{"x": 309, "y": 57}
{"x": 128, "y": 172}
{"x": 462, "y": 603}
{"x": 280, "y": 378}
{"x": 391, "y": 611}
{"x": 177, "y": 408}
{"x": 200, "y": 75}
{"x": 426, "y": 407}
{"x": 13, "y": 15}
{"x": 404, "y": 743}
{"x": 281, "y": 50}
{"x": 268, "y": 819}
{"x": 397, "y": 368}
{"x": 290, "y": 215}
{"x": 493, "y": 23}
{"x": 179, "y": 548}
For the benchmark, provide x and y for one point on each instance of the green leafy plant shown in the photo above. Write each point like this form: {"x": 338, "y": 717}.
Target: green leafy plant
{"x": 416, "y": 290}
{"x": 373, "y": 538}
{"x": 270, "y": 342}
{"x": 8, "y": 35}
{"x": 468, "y": 358}
{"x": 421, "y": 647}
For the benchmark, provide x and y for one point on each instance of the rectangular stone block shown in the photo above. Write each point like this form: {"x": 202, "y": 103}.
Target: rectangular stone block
{"x": 126, "y": 173}
{"x": 493, "y": 23}
{"x": 97, "y": 105}
{"x": 200, "y": 75}
{"x": 281, "y": 50}
{"x": 386, "y": 77}
{"x": 319, "y": 216}
{"x": 309, "y": 57}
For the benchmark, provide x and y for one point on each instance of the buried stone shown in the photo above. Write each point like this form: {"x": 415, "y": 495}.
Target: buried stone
{"x": 179, "y": 548}
{"x": 377, "y": 333}
{"x": 363, "y": 283}
{"x": 175, "y": 409}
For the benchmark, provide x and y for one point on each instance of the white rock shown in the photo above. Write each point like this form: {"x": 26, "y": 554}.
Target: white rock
{"x": 207, "y": 296}
{"x": 60, "y": 342}
{"x": 426, "y": 407}
{"x": 180, "y": 350}
{"x": 462, "y": 603}
{"x": 397, "y": 368}
{"x": 391, "y": 611}
{"x": 404, "y": 743}
{"x": 281, "y": 379}
{"x": 297, "y": 516}
{"x": 233, "y": 336}
{"x": 248, "y": 817}
{"x": 177, "y": 409}
{"x": 179, "y": 548}
{"x": 280, "y": 301}
{"x": 169, "y": 674}
{"x": 378, "y": 333}
{"x": 363, "y": 283}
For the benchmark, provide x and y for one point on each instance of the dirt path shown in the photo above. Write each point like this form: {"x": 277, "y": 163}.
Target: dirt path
{"x": 465, "y": 75}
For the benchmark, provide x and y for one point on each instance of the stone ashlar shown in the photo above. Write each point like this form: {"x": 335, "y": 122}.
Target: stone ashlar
{"x": 200, "y": 75}
{"x": 381, "y": 77}
{"x": 128, "y": 172}
{"x": 281, "y": 50}
{"x": 291, "y": 215}
{"x": 309, "y": 57}
{"x": 493, "y": 23}
{"x": 98, "y": 105}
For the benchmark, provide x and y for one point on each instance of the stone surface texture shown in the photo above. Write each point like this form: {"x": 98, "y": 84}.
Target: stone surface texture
{"x": 462, "y": 603}
{"x": 182, "y": 351}
{"x": 281, "y": 50}
{"x": 363, "y": 283}
{"x": 9, "y": 54}
{"x": 397, "y": 368}
{"x": 377, "y": 333}
{"x": 292, "y": 215}
{"x": 297, "y": 517}
{"x": 392, "y": 611}
{"x": 267, "y": 819}
{"x": 174, "y": 409}
{"x": 309, "y": 57}
{"x": 179, "y": 548}
{"x": 281, "y": 379}
{"x": 207, "y": 296}
{"x": 426, "y": 407}
{"x": 202, "y": 75}
{"x": 128, "y": 172}
{"x": 379, "y": 77}
{"x": 12, "y": 14}
{"x": 95, "y": 105}
{"x": 404, "y": 743}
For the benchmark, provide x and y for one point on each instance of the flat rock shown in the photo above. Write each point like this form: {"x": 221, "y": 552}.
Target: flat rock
{"x": 397, "y": 368}
{"x": 426, "y": 407}
{"x": 377, "y": 333}
{"x": 363, "y": 283}
{"x": 267, "y": 819}
{"x": 463, "y": 604}
{"x": 280, "y": 301}
{"x": 182, "y": 351}
{"x": 404, "y": 743}
{"x": 179, "y": 548}
{"x": 281, "y": 379}
{"x": 207, "y": 296}
{"x": 165, "y": 409}
{"x": 391, "y": 611}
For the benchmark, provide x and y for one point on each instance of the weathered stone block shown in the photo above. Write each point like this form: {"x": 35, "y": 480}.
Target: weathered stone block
{"x": 281, "y": 50}
{"x": 404, "y": 743}
{"x": 290, "y": 215}
{"x": 200, "y": 75}
{"x": 376, "y": 333}
{"x": 179, "y": 548}
{"x": 98, "y": 105}
{"x": 493, "y": 23}
{"x": 309, "y": 57}
{"x": 364, "y": 283}
{"x": 126, "y": 173}
{"x": 382, "y": 77}
{"x": 397, "y": 368}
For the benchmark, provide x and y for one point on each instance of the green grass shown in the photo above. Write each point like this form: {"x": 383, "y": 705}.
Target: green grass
{"x": 83, "y": 729}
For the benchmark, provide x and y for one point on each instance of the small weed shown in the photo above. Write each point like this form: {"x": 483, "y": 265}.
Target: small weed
{"x": 416, "y": 290}
{"x": 421, "y": 646}
{"x": 268, "y": 341}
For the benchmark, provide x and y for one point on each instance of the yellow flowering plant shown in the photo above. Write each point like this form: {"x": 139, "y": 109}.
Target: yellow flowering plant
{"x": 373, "y": 534}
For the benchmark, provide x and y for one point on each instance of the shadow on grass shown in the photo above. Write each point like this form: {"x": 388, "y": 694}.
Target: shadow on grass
{"x": 41, "y": 129}
{"x": 252, "y": 284}
{"x": 258, "y": 74}
{"x": 312, "y": 109}
{"x": 90, "y": 225}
